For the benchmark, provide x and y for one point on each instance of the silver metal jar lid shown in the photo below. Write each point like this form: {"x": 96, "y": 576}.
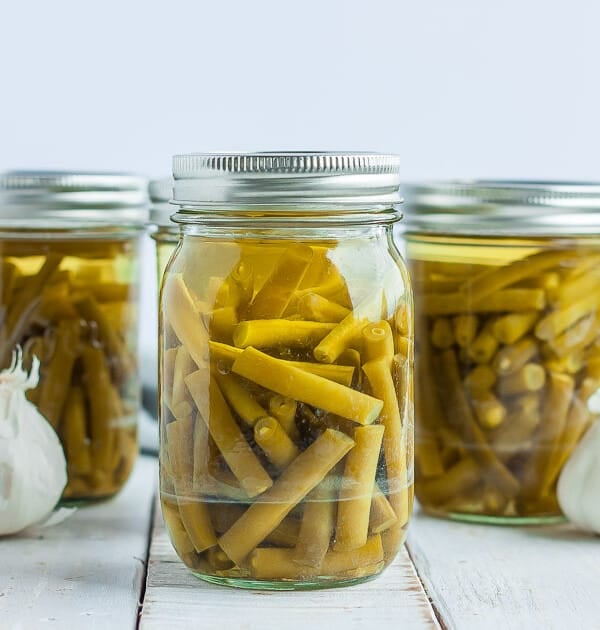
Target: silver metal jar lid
{"x": 286, "y": 180}
{"x": 160, "y": 192}
{"x": 117, "y": 199}
{"x": 527, "y": 208}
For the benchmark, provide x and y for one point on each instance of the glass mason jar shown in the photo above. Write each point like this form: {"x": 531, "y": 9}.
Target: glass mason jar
{"x": 163, "y": 230}
{"x": 68, "y": 259}
{"x": 286, "y": 370}
{"x": 507, "y": 296}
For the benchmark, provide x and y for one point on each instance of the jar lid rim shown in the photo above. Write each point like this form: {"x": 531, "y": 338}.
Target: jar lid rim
{"x": 526, "y": 207}
{"x": 75, "y": 195}
{"x": 286, "y": 178}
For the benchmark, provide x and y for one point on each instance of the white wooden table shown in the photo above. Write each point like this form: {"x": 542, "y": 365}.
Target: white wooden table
{"x": 112, "y": 566}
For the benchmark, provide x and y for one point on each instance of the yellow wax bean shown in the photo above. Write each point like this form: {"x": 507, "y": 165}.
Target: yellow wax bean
{"x": 182, "y": 314}
{"x": 227, "y": 435}
{"x": 201, "y": 456}
{"x": 339, "y": 373}
{"x": 382, "y": 515}
{"x": 194, "y": 513}
{"x": 510, "y": 328}
{"x": 378, "y": 341}
{"x": 428, "y": 457}
{"x": 274, "y": 296}
{"x": 284, "y": 535}
{"x": 484, "y": 346}
{"x": 90, "y": 310}
{"x": 456, "y": 481}
{"x": 354, "y": 506}
{"x": 221, "y": 322}
{"x": 73, "y": 429}
{"x": 571, "y": 364}
{"x": 530, "y": 378}
{"x": 319, "y": 309}
{"x": 268, "y": 333}
{"x": 549, "y": 281}
{"x": 196, "y": 520}
{"x": 351, "y": 357}
{"x": 547, "y": 436}
{"x": 180, "y": 450}
{"x": 98, "y": 391}
{"x": 489, "y": 411}
{"x": 295, "y": 482}
{"x": 240, "y": 399}
{"x": 480, "y": 378}
{"x": 465, "y": 329}
{"x": 223, "y": 352}
{"x": 574, "y": 289}
{"x": 403, "y": 319}
{"x": 512, "y": 358}
{"x": 576, "y": 268}
{"x": 577, "y": 337}
{"x": 292, "y": 382}
{"x": 394, "y": 440}
{"x": 592, "y": 368}
{"x": 317, "y": 526}
{"x": 54, "y": 388}
{"x": 578, "y": 421}
{"x": 184, "y": 365}
{"x": 218, "y": 559}
{"x": 403, "y": 346}
{"x": 491, "y": 281}
{"x": 462, "y": 419}
{"x": 558, "y": 321}
{"x": 177, "y": 534}
{"x": 275, "y": 442}
{"x": 507, "y": 300}
{"x": 168, "y": 372}
{"x": 284, "y": 409}
{"x": 274, "y": 563}
{"x": 330, "y": 348}
{"x": 442, "y": 335}
{"x": 438, "y": 284}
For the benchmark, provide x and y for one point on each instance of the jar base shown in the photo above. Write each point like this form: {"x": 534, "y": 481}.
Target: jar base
{"x": 492, "y": 519}
{"x": 283, "y": 585}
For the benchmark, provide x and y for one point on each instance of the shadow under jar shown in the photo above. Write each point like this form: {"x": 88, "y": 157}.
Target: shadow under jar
{"x": 68, "y": 264}
{"x": 507, "y": 313}
{"x": 286, "y": 370}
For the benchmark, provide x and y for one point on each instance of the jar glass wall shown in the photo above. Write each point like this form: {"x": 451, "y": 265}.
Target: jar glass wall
{"x": 507, "y": 358}
{"x": 70, "y": 300}
{"x": 163, "y": 231}
{"x": 286, "y": 400}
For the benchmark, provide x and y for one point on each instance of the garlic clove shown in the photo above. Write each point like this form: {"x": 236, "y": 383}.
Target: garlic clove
{"x": 33, "y": 468}
{"x": 578, "y": 487}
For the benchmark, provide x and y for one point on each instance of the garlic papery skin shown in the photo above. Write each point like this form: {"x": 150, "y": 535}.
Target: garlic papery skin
{"x": 33, "y": 468}
{"x": 579, "y": 483}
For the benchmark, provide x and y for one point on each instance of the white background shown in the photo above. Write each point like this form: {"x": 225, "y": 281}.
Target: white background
{"x": 457, "y": 87}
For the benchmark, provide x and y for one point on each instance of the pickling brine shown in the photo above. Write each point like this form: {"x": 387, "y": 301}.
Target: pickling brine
{"x": 286, "y": 405}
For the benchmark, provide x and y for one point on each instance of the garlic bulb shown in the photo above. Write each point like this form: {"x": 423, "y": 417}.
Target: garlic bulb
{"x": 579, "y": 483}
{"x": 32, "y": 462}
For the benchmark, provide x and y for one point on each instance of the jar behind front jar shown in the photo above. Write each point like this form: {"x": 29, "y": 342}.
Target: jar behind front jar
{"x": 164, "y": 232}
{"x": 286, "y": 388}
{"x": 69, "y": 301}
{"x": 507, "y": 294}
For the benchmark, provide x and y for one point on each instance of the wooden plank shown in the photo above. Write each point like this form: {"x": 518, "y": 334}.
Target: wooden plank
{"x": 177, "y": 599}
{"x": 86, "y": 572}
{"x": 507, "y": 577}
